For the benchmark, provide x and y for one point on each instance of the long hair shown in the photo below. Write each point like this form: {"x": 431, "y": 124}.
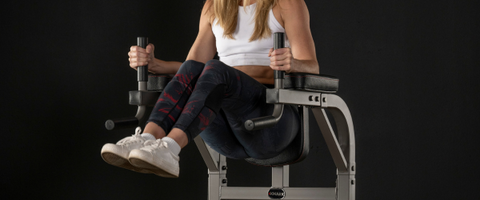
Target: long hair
{"x": 226, "y": 12}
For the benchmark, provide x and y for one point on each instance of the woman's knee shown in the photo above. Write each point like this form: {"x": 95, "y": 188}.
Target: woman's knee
{"x": 217, "y": 69}
{"x": 214, "y": 62}
{"x": 217, "y": 65}
{"x": 192, "y": 62}
{"x": 189, "y": 64}
{"x": 191, "y": 67}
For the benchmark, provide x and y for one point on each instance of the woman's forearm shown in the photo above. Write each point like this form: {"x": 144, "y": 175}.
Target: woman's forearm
{"x": 164, "y": 67}
{"x": 304, "y": 66}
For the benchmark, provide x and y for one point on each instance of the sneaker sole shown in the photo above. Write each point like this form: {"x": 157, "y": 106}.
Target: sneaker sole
{"x": 152, "y": 168}
{"x": 119, "y": 161}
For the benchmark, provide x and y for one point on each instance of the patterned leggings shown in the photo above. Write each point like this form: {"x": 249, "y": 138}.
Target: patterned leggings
{"x": 214, "y": 100}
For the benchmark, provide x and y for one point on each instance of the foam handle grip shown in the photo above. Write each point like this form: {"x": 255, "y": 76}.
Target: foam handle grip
{"x": 278, "y": 40}
{"x": 142, "y": 71}
{"x": 278, "y": 43}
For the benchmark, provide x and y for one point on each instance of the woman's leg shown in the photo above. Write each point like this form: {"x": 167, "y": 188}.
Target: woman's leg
{"x": 167, "y": 109}
{"x": 217, "y": 87}
{"x": 161, "y": 156}
{"x": 172, "y": 100}
{"x": 241, "y": 98}
{"x": 220, "y": 137}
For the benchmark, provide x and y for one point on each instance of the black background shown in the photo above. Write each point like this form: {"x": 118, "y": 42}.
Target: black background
{"x": 407, "y": 69}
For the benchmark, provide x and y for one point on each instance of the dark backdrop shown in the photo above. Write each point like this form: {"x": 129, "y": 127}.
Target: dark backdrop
{"x": 407, "y": 71}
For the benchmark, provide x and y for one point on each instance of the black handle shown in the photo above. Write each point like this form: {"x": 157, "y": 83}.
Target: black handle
{"x": 278, "y": 43}
{"x": 269, "y": 121}
{"x": 142, "y": 72}
{"x": 130, "y": 122}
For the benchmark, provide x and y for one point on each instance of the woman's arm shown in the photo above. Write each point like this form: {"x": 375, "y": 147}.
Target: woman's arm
{"x": 301, "y": 56}
{"x": 202, "y": 50}
{"x": 140, "y": 57}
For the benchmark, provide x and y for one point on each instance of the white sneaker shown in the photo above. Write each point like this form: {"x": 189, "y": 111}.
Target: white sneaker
{"x": 117, "y": 154}
{"x": 157, "y": 158}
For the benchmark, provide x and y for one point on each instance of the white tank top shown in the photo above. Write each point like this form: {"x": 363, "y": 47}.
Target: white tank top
{"x": 240, "y": 51}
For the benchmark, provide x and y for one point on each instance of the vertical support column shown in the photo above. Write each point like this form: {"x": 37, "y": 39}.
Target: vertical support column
{"x": 217, "y": 169}
{"x": 213, "y": 185}
{"x": 346, "y": 139}
{"x": 280, "y": 176}
{"x": 223, "y": 171}
{"x": 217, "y": 179}
{"x": 346, "y": 186}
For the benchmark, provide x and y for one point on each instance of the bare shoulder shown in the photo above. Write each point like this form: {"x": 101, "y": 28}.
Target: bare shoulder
{"x": 288, "y": 10}
{"x": 207, "y": 8}
{"x": 290, "y": 2}
{"x": 295, "y": 6}
{"x": 207, "y": 12}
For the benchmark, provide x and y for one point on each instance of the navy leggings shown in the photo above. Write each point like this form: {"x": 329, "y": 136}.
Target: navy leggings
{"x": 214, "y": 100}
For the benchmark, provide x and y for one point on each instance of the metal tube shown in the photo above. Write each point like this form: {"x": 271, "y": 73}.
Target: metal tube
{"x": 269, "y": 121}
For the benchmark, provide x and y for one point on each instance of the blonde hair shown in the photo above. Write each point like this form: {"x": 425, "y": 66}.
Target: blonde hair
{"x": 226, "y": 11}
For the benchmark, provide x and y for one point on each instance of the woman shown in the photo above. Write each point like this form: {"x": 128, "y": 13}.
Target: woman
{"x": 214, "y": 98}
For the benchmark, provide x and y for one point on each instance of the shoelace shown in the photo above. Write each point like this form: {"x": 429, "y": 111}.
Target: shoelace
{"x": 150, "y": 145}
{"x": 134, "y": 138}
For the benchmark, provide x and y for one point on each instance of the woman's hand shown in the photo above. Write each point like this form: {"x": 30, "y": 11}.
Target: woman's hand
{"x": 139, "y": 56}
{"x": 281, "y": 59}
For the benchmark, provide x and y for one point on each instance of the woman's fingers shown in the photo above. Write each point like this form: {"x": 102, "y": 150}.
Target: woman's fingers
{"x": 270, "y": 52}
{"x": 150, "y": 48}
{"x": 138, "y": 56}
{"x": 281, "y": 59}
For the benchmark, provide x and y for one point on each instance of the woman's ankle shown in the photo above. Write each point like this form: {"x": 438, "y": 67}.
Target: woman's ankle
{"x": 172, "y": 145}
{"x": 179, "y": 136}
{"x": 155, "y": 130}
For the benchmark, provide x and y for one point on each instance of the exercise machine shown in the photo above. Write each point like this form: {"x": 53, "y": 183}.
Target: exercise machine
{"x": 308, "y": 91}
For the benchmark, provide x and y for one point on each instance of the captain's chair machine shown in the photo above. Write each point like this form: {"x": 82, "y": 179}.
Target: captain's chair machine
{"x": 308, "y": 91}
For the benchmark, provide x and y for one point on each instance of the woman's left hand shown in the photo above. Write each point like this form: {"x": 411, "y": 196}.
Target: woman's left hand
{"x": 281, "y": 59}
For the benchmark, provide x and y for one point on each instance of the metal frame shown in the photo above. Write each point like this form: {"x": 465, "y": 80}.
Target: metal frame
{"x": 340, "y": 145}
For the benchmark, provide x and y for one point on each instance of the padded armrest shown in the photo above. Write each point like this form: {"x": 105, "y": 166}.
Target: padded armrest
{"x": 157, "y": 82}
{"x": 311, "y": 82}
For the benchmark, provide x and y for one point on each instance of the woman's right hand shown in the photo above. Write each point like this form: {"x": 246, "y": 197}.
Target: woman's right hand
{"x": 139, "y": 56}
